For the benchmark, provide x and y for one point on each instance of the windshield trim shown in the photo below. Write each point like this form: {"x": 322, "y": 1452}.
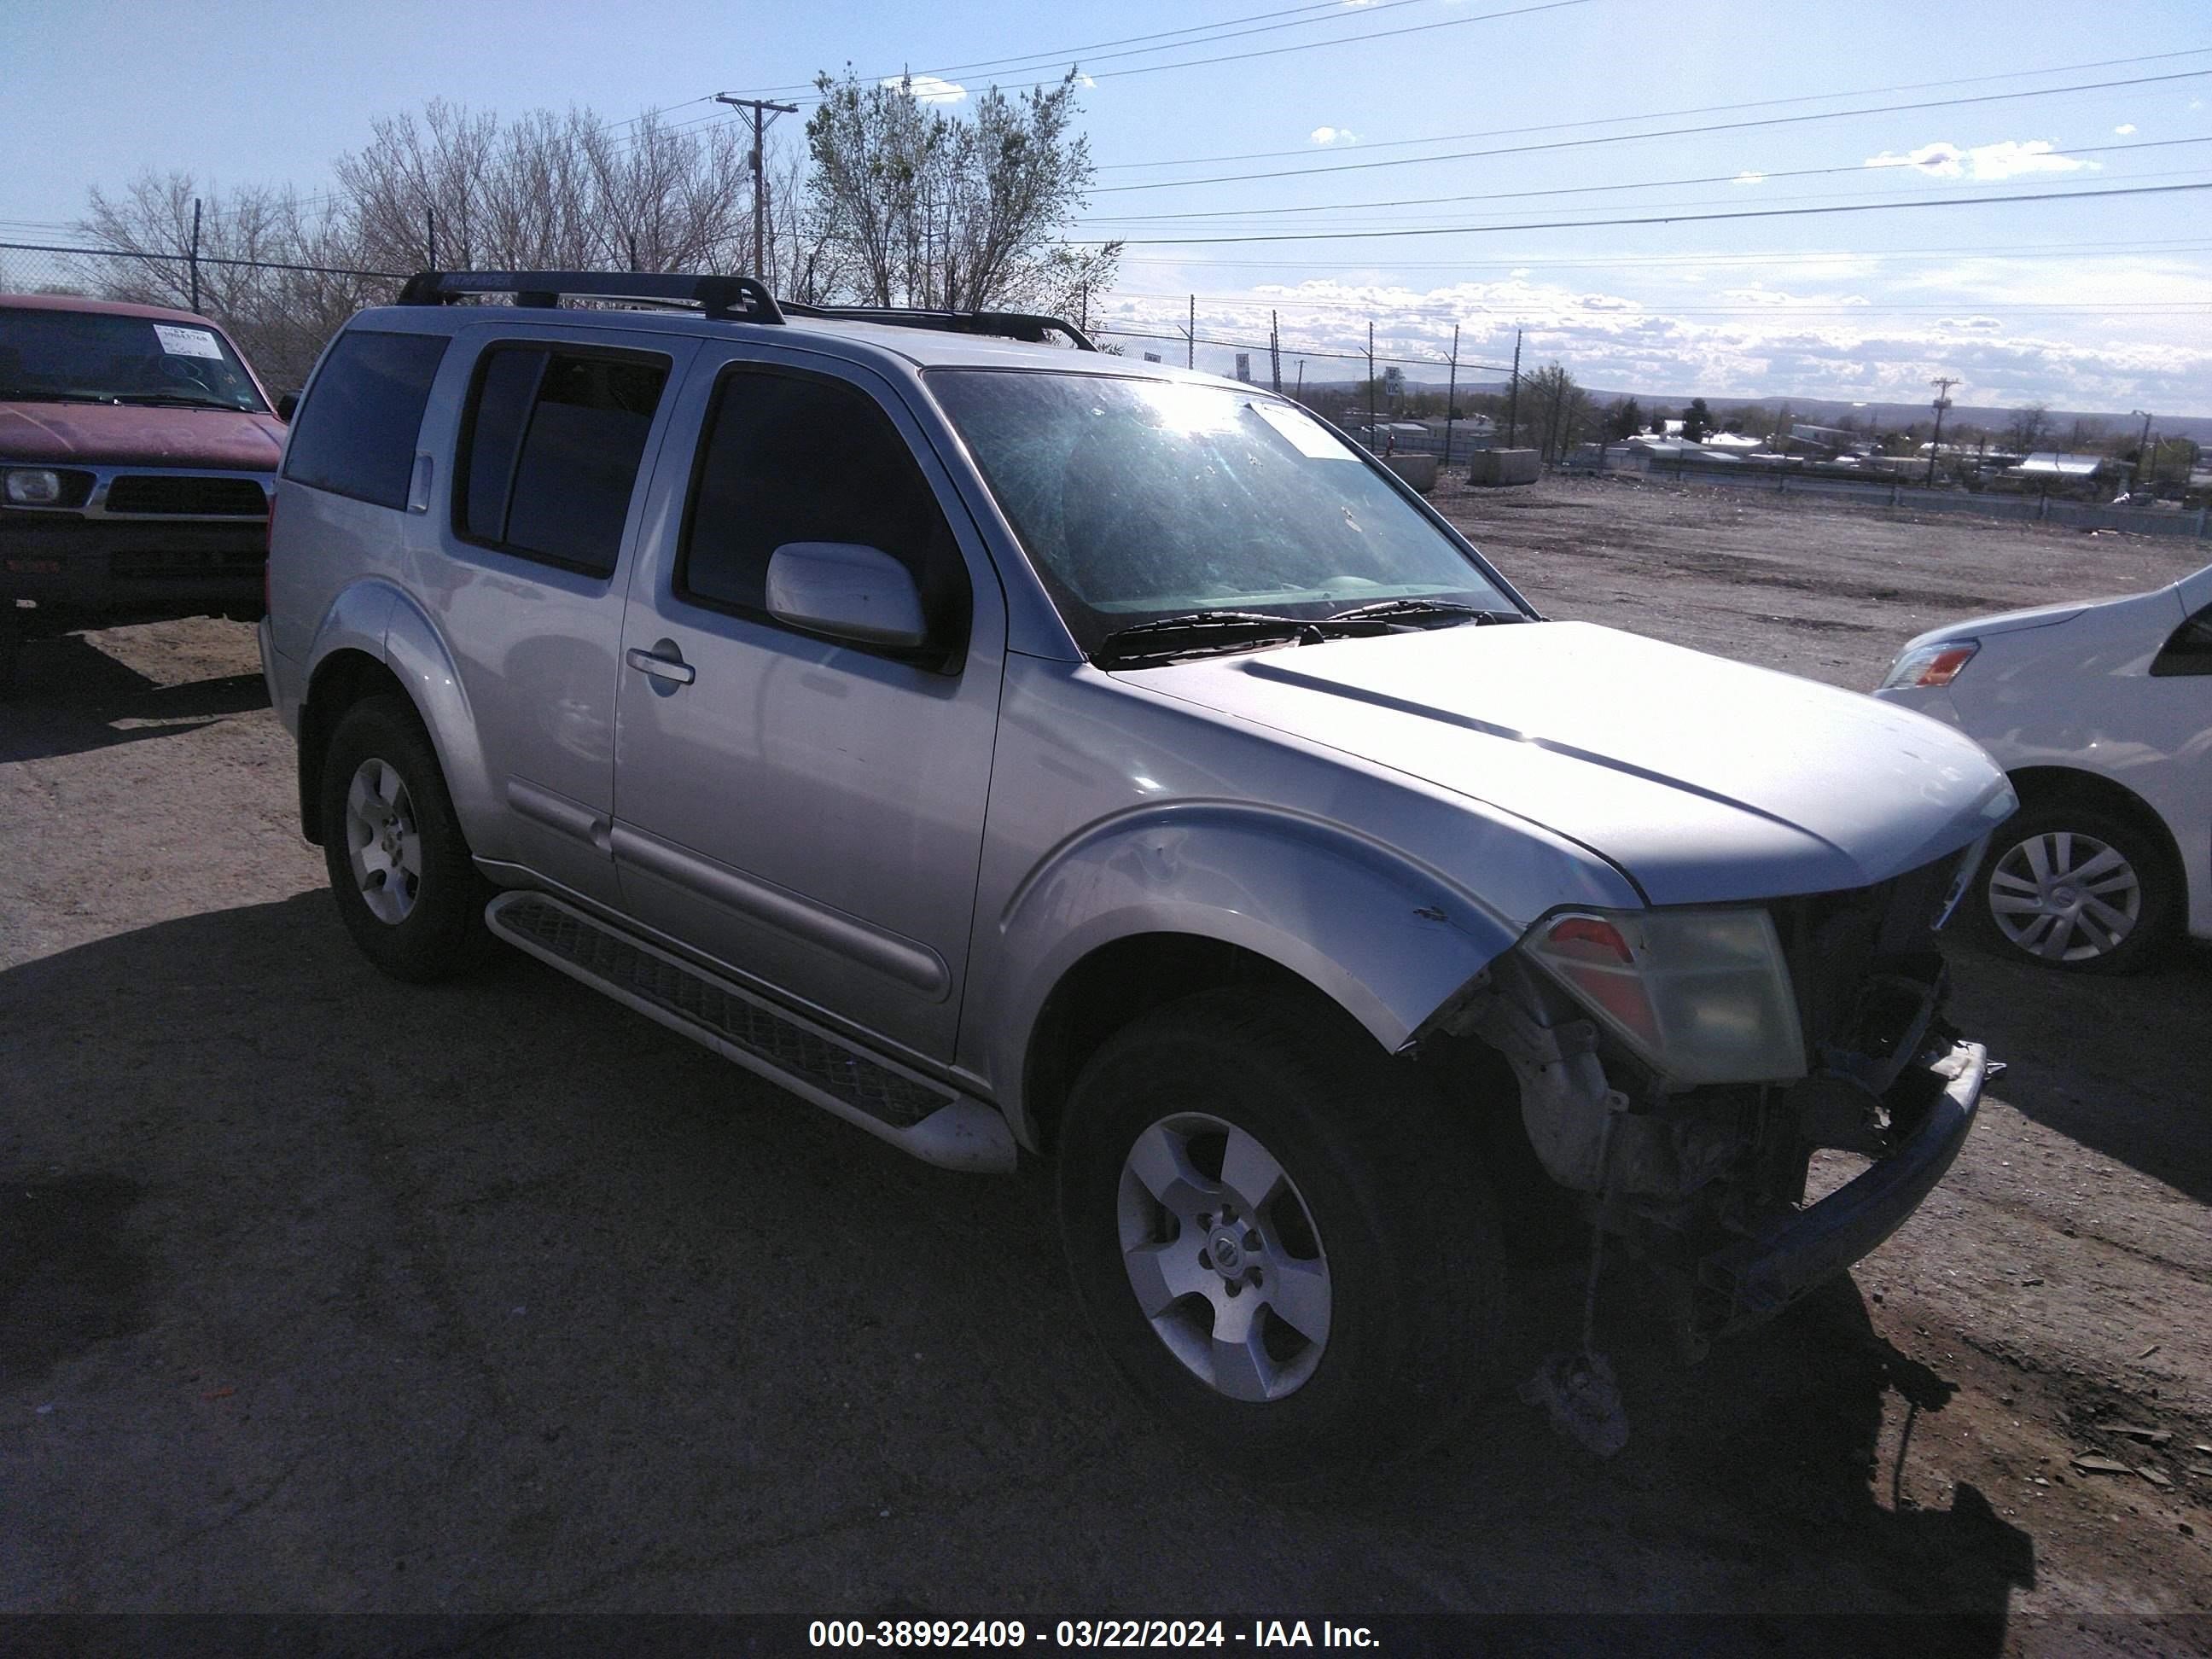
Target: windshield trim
{"x": 1091, "y": 369}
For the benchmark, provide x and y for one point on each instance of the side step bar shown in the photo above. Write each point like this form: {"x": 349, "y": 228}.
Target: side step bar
{"x": 915, "y": 1114}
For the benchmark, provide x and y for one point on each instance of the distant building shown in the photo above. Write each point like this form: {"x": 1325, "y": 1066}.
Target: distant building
{"x": 2055, "y": 466}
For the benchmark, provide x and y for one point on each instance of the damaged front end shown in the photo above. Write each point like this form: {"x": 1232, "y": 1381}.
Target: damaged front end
{"x": 1679, "y": 1069}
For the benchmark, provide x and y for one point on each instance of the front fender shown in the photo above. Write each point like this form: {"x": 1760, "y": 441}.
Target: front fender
{"x": 1385, "y": 937}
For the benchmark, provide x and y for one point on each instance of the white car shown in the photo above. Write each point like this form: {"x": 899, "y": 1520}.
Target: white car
{"x": 2101, "y": 715}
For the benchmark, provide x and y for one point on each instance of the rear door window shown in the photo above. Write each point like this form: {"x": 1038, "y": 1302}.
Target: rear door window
{"x": 354, "y": 436}
{"x": 549, "y": 451}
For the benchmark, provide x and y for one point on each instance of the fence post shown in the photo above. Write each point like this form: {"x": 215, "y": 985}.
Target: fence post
{"x": 2043, "y": 505}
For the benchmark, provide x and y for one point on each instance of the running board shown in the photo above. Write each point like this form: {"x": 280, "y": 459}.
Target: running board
{"x": 915, "y": 1114}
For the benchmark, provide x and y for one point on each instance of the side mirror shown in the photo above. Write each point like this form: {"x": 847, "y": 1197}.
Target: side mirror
{"x": 287, "y": 402}
{"x": 847, "y": 592}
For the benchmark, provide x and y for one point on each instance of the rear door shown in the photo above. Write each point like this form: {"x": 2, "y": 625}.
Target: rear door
{"x": 528, "y": 569}
{"x": 809, "y": 813}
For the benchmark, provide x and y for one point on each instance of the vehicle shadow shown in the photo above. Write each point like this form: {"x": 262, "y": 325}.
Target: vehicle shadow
{"x": 2117, "y": 1064}
{"x": 495, "y": 1296}
{"x": 69, "y": 697}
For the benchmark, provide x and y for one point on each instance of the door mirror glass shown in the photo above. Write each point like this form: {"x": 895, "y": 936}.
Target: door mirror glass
{"x": 847, "y": 592}
{"x": 286, "y": 403}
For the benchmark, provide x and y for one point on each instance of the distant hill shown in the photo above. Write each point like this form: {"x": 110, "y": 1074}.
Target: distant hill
{"x": 1825, "y": 411}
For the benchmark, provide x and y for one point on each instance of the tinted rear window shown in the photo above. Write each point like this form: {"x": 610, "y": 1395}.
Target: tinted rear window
{"x": 551, "y": 449}
{"x": 355, "y": 432}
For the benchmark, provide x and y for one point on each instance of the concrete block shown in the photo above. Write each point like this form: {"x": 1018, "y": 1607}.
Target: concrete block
{"x": 1417, "y": 470}
{"x": 1503, "y": 467}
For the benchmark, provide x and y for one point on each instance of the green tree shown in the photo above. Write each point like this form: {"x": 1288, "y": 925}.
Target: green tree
{"x": 1697, "y": 421}
{"x": 928, "y": 209}
{"x": 1623, "y": 419}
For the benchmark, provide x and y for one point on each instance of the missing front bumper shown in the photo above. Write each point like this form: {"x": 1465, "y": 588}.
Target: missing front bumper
{"x": 1758, "y": 1277}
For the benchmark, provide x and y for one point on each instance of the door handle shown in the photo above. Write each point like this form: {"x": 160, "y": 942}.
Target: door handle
{"x": 671, "y": 668}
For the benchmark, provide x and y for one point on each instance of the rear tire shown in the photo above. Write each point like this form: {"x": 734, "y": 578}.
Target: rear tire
{"x": 1231, "y": 1139}
{"x": 406, "y": 887}
{"x": 2071, "y": 887}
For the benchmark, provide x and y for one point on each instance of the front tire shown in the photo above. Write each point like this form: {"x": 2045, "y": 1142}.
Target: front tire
{"x": 1281, "y": 1237}
{"x": 406, "y": 886}
{"x": 2070, "y": 887}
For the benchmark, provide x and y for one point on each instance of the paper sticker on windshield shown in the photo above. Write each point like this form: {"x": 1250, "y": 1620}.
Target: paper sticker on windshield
{"x": 1306, "y": 435}
{"x": 188, "y": 342}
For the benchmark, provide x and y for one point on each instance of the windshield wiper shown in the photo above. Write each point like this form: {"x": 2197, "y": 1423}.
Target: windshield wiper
{"x": 173, "y": 400}
{"x": 1445, "y": 612}
{"x": 1195, "y": 633}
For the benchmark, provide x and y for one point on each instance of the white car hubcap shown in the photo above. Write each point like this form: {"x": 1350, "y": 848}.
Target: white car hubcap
{"x": 2064, "y": 896}
{"x": 382, "y": 842}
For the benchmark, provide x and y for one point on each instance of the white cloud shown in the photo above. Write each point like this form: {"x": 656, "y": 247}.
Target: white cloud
{"x": 1333, "y": 136}
{"x": 2011, "y": 158}
{"x": 929, "y": 89}
{"x": 2125, "y": 128}
{"x": 1748, "y": 178}
{"x": 1781, "y": 343}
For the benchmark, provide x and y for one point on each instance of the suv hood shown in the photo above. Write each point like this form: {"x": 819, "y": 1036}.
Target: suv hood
{"x": 139, "y": 434}
{"x": 1706, "y": 781}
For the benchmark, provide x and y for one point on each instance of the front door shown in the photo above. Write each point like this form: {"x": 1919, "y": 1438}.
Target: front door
{"x": 806, "y": 811}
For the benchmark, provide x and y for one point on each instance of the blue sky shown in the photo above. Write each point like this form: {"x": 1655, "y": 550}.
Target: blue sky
{"x": 2097, "y": 303}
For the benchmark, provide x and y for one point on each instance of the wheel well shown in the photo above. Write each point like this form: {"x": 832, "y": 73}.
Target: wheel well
{"x": 342, "y": 679}
{"x": 1118, "y": 983}
{"x": 2043, "y": 785}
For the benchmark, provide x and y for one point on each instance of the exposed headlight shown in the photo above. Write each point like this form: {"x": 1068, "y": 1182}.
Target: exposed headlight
{"x": 1927, "y": 666}
{"x": 1703, "y": 995}
{"x": 33, "y": 486}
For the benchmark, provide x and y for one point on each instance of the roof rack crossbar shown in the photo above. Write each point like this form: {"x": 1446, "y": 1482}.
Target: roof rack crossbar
{"x": 742, "y": 299}
{"x": 1030, "y": 327}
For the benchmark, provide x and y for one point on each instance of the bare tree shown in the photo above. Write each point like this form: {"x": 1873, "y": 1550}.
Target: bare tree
{"x": 2030, "y": 426}
{"x": 1558, "y": 409}
{"x": 279, "y": 277}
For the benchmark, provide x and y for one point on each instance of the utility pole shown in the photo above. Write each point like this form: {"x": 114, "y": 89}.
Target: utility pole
{"x": 1190, "y": 335}
{"x": 1513, "y": 395}
{"x": 761, "y": 109}
{"x": 1451, "y": 395}
{"x": 2142, "y": 444}
{"x": 1300, "y": 394}
{"x": 196, "y": 264}
{"x": 1943, "y": 383}
{"x": 1371, "y": 387}
{"x": 1275, "y": 352}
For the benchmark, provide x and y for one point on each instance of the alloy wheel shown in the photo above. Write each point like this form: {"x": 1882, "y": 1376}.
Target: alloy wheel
{"x": 383, "y": 843}
{"x": 1224, "y": 1258}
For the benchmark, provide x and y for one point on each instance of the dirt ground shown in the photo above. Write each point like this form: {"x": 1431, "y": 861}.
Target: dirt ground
{"x": 322, "y": 1293}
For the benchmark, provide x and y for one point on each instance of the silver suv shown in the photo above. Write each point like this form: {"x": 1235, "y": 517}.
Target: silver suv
{"x": 1013, "y": 748}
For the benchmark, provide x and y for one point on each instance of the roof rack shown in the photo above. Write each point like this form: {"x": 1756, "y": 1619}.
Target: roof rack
{"x": 742, "y": 299}
{"x": 1030, "y": 327}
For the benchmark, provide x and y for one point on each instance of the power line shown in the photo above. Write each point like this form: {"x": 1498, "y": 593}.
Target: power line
{"x": 1748, "y": 175}
{"x": 1667, "y": 132}
{"x": 2131, "y": 254}
{"x": 1658, "y": 219}
{"x": 1671, "y": 114}
{"x": 1329, "y": 9}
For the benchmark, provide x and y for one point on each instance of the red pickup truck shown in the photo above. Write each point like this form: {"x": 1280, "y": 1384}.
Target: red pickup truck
{"x": 137, "y": 455}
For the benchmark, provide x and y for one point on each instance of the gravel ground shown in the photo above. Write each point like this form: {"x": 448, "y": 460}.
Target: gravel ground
{"x": 322, "y": 1293}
